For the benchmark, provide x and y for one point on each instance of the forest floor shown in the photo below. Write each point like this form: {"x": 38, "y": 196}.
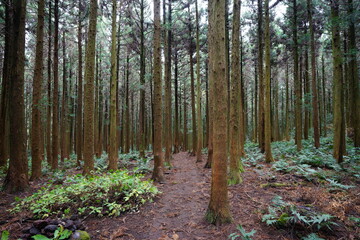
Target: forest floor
{"x": 178, "y": 212}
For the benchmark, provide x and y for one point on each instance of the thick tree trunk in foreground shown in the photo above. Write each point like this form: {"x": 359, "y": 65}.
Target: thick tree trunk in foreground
{"x": 218, "y": 210}
{"x": 267, "y": 108}
{"x": 158, "y": 172}
{"x": 89, "y": 92}
{"x": 339, "y": 130}
{"x": 16, "y": 179}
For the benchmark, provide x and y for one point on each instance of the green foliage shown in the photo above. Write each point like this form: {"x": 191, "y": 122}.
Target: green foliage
{"x": 356, "y": 220}
{"x": 312, "y": 236}
{"x": 109, "y": 194}
{"x": 244, "y": 235}
{"x": 5, "y": 235}
{"x": 59, "y": 234}
{"x": 336, "y": 184}
{"x": 283, "y": 214}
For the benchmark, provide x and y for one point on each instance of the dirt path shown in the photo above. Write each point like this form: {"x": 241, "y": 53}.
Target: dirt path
{"x": 178, "y": 213}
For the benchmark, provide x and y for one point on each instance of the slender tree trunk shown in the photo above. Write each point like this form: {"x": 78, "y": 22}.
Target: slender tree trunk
{"x": 324, "y": 94}
{"x": 261, "y": 126}
{"x": 55, "y": 105}
{"x": 36, "y": 134}
{"x": 192, "y": 87}
{"x": 298, "y": 128}
{"x": 127, "y": 107}
{"x": 287, "y": 105}
{"x": 167, "y": 79}
{"x": 337, "y": 81}
{"x": 113, "y": 152}
{"x": 89, "y": 92}
{"x": 235, "y": 100}
{"x": 199, "y": 141}
{"x": 176, "y": 122}
{"x": 267, "y": 107}
{"x": 315, "y": 105}
{"x": 185, "y": 119}
{"x": 142, "y": 83}
{"x": 16, "y": 179}
{"x": 79, "y": 108}
{"x": 158, "y": 172}
{"x": 65, "y": 112}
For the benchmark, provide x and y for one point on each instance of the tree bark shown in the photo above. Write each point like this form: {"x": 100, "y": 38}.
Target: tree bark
{"x": 89, "y": 92}
{"x": 218, "y": 210}
{"x": 16, "y": 179}
{"x": 158, "y": 172}
{"x": 113, "y": 151}
{"x": 315, "y": 104}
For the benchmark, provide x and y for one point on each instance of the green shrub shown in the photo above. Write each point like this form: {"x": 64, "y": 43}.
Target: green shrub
{"x": 108, "y": 194}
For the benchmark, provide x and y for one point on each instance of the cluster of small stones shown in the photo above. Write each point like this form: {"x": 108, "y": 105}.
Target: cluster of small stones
{"x": 47, "y": 227}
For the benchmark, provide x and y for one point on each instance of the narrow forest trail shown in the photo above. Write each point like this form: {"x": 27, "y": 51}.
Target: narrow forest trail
{"x": 178, "y": 213}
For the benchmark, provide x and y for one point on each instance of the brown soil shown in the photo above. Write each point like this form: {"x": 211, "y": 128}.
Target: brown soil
{"x": 178, "y": 213}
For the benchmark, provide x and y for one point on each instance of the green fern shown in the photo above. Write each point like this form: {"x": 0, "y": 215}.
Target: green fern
{"x": 244, "y": 235}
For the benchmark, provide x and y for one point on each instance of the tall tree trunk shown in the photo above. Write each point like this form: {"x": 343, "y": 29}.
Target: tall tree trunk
{"x": 127, "y": 106}
{"x": 339, "y": 130}
{"x": 267, "y": 107}
{"x": 79, "y": 108}
{"x": 218, "y": 210}
{"x": 167, "y": 79}
{"x": 89, "y": 91}
{"x": 176, "y": 122}
{"x": 261, "y": 126}
{"x": 55, "y": 105}
{"x": 287, "y": 105}
{"x": 354, "y": 76}
{"x": 315, "y": 104}
{"x": 49, "y": 80}
{"x": 324, "y": 94}
{"x": 65, "y": 112}
{"x": 158, "y": 172}
{"x": 235, "y": 108}
{"x": 192, "y": 87}
{"x": 4, "y": 107}
{"x": 142, "y": 83}
{"x": 16, "y": 179}
{"x": 198, "y": 91}
{"x": 298, "y": 128}
{"x": 113, "y": 151}
{"x": 306, "y": 93}
{"x": 36, "y": 134}
{"x": 185, "y": 119}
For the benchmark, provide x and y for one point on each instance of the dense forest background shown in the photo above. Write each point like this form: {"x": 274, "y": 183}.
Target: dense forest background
{"x": 88, "y": 80}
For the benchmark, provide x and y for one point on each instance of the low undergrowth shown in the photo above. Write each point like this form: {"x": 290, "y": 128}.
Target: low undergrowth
{"x": 108, "y": 194}
{"x": 283, "y": 214}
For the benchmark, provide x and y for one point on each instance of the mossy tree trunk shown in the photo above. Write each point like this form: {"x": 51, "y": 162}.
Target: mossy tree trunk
{"x": 235, "y": 98}
{"x": 79, "y": 107}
